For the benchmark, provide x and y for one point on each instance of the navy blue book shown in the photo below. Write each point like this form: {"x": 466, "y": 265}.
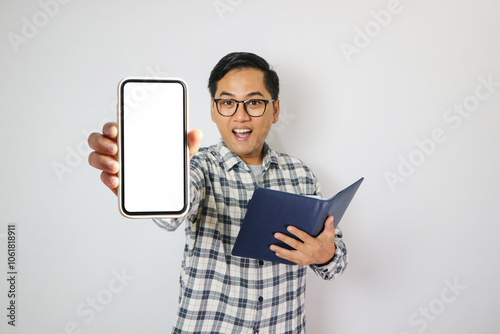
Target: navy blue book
{"x": 270, "y": 211}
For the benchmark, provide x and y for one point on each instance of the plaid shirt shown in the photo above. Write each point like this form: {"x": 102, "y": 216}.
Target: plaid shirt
{"x": 221, "y": 293}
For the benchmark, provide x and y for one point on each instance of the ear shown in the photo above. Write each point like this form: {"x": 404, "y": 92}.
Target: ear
{"x": 276, "y": 110}
{"x": 212, "y": 110}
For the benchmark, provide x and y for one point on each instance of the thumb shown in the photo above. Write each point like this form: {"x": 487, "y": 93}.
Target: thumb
{"x": 329, "y": 225}
{"x": 194, "y": 140}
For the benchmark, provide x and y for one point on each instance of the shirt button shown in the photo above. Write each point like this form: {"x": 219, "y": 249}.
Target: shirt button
{"x": 261, "y": 262}
{"x": 261, "y": 299}
{"x": 256, "y": 331}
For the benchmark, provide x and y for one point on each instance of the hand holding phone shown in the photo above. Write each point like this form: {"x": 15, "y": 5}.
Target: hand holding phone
{"x": 105, "y": 154}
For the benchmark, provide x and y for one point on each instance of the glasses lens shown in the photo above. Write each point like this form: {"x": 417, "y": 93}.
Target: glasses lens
{"x": 226, "y": 106}
{"x": 255, "y": 107}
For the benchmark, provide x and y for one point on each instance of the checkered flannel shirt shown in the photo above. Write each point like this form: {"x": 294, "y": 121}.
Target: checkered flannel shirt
{"x": 222, "y": 293}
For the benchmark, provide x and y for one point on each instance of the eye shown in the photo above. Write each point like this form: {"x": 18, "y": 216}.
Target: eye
{"x": 227, "y": 103}
{"x": 254, "y": 103}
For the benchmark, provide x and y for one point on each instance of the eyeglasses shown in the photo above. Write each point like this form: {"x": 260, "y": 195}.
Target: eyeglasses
{"x": 253, "y": 107}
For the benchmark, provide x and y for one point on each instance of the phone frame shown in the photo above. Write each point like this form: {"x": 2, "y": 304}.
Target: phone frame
{"x": 120, "y": 142}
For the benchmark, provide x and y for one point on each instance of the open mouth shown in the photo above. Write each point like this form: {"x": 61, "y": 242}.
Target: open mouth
{"x": 242, "y": 133}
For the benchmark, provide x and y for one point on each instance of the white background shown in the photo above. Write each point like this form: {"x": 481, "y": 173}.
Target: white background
{"x": 346, "y": 114}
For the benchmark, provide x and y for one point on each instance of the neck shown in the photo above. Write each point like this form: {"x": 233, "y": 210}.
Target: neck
{"x": 252, "y": 160}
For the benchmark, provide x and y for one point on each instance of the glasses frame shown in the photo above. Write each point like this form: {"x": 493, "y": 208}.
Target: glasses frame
{"x": 216, "y": 101}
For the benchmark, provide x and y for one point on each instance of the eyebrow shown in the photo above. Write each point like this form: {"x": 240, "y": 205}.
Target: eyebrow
{"x": 257, "y": 93}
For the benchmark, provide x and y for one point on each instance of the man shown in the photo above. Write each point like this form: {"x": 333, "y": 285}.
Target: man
{"x": 221, "y": 293}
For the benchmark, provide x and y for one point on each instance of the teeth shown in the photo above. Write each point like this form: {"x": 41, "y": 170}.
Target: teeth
{"x": 241, "y": 130}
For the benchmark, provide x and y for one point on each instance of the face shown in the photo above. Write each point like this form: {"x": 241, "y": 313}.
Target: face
{"x": 243, "y": 134}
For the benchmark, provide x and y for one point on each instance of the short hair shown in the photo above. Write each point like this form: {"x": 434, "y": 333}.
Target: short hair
{"x": 242, "y": 60}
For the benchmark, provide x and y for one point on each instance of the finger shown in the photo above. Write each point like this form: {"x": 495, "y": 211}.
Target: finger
{"x": 290, "y": 255}
{"x": 194, "y": 140}
{"x": 111, "y": 181}
{"x": 104, "y": 162}
{"x": 299, "y": 234}
{"x": 329, "y": 225}
{"x": 110, "y": 130}
{"x": 329, "y": 230}
{"x": 292, "y": 242}
{"x": 102, "y": 144}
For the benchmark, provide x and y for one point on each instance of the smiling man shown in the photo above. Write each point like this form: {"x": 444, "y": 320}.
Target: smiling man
{"x": 219, "y": 292}
{"x": 244, "y": 129}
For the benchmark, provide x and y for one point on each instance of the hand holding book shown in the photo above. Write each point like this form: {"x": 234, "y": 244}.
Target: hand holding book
{"x": 270, "y": 211}
{"x": 307, "y": 250}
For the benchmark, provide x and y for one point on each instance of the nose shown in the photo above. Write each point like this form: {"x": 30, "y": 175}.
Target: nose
{"x": 241, "y": 114}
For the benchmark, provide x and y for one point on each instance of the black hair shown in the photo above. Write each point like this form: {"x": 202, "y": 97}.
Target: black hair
{"x": 242, "y": 60}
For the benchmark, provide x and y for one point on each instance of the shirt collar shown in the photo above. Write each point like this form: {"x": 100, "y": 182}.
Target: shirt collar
{"x": 231, "y": 159}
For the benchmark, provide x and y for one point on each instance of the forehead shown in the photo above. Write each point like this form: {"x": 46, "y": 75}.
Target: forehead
{"x": 242, "y": 82}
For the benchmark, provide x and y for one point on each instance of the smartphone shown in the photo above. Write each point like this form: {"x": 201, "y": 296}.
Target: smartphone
{"x": 152, "y": 148}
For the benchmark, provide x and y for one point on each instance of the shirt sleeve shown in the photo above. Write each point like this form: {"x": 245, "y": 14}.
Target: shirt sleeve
{"x": 195, "y": 188}
{"x": 338, "y": 263}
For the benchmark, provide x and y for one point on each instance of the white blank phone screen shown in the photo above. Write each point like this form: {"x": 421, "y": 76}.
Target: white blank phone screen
{"x": 153, "y": 147}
